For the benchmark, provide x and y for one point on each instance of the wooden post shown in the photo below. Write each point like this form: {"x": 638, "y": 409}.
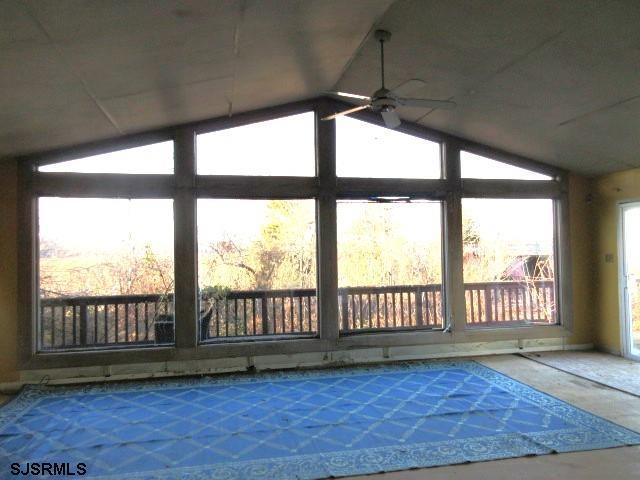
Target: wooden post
{"x": 488, "y": 301}
{"x": 454, "y": 296}
{"x": 419, "y": 321}
{"x": 185, "y": 252}
{"x": 344, "y": 299}
{"x": 327, "y": 256}
{"x": 83, "y": 324}
{"x": 265, "y": 316}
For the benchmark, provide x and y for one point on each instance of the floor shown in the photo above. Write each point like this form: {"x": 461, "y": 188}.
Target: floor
{"x": 612, "y": 464}
{"x": 615, "y": 372}
{"x": 614, "y": 405}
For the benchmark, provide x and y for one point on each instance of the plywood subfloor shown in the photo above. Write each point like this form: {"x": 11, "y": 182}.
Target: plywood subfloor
{"x": 615, "y": 372}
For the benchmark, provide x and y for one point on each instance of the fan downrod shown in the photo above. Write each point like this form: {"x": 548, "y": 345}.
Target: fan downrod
{"x": 382, "y": 35}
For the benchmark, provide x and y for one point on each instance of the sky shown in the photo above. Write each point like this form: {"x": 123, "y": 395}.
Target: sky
{"x": 362, "y": 150}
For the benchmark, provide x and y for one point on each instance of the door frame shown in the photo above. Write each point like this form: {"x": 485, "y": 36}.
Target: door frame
{"x": 626, "y": 340}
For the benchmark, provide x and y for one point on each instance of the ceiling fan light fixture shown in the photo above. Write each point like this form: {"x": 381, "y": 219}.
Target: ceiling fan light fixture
{"x": 385, "y": 101}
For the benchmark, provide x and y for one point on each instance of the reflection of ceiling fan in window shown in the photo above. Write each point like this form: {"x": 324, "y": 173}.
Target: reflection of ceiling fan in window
{"x": 385, "y": 101}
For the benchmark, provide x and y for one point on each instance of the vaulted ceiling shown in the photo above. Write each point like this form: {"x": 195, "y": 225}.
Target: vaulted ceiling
{"x": 557, "y": 81}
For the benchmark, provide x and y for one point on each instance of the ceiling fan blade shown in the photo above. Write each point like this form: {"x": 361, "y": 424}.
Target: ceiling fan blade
{"x": 349, "y": 95}
{"x": 408, "y": 87}
{"x": 346, "y": 112}
{"x": 427, "y": 103}
{"x": 391, "y": 119}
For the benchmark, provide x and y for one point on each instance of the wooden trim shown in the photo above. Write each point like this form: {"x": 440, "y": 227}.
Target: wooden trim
{"x": 563, "y": 261}
{"x": 426, "y": 337}
{"x": 185, "y": 241}
{"x": 511, "y": 188}
{"x": 327, "y": 237}
{"x": 349, "y": 187}
{"x": 254, "y": 116}
{"x": 95, "y": 185}
{"x": 27, "y": 211}
{"x": 453, "y": 276}
{"x": 289, "y": 346}
{"x": 233, "y": 186}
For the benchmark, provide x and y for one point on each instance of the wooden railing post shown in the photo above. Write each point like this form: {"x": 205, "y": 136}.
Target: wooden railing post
{"x": 419, "y": 321}
{"x": 488, "y": 310}
{"x": 265, "y": 316}
{"x": 83, "y": 324}
{"x": 344, "y": 301}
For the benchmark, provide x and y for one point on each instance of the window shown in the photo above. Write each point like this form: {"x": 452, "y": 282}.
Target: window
{"x": 256, "y": 268}
{"x": 156, "y": 158}
{"x": 366, "y": 150}
{"x": 285, "y": 146}
{"x": 509, "y": 262}
{"x": 476, "y": 166}
{"x": 389, "y": 265}
{"x": 105, "y": 272}
{"x": 278, "y": 253}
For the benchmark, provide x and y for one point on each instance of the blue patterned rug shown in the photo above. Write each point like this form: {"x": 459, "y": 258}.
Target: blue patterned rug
{"x": 296, "y": 425}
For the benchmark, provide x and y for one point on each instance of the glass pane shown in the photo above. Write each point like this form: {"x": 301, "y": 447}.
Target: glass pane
{"x": 156, "y": 158}
{"x": 369, "y": 151}
{"x": 476, "y": 166}
{"x": 508, "y": 262}
{"x": 631, "y": 224}
{"x": 106, "y": 272}
{"x": 256, "y": 268}
{"x": 389, "y": 265}
{"x": 285, "y": 146}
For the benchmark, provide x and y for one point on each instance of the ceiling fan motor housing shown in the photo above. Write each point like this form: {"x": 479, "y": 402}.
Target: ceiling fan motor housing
{"x": 382, "y": 102}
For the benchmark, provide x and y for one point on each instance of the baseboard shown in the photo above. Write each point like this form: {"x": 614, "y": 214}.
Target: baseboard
{"x": 69, "y": 376}
{"x": 611, "y": 351}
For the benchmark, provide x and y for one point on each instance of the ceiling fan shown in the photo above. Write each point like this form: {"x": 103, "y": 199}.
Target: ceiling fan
{"x": 386, "y": 101}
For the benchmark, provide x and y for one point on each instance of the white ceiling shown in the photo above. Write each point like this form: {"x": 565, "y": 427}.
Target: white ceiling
{"x": 557, "y": 81}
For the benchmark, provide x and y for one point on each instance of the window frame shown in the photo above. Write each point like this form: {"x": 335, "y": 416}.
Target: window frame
{"x": 271, "y": 336}
{"x": 443, "y": 272}
{"x": 555, "y": 248}
{"x": 185, "y": 187}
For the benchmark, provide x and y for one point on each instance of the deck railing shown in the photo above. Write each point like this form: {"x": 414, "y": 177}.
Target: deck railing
{"x": 502, "y": 303}
{"x": 127, "y": 320}
{"x": 111, "y": 320}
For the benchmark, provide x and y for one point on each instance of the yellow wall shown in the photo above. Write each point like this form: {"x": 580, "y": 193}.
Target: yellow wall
{"x": 580, "y": 230}
{"x": 609, "y": 190}
{"x": 8, "y": 272}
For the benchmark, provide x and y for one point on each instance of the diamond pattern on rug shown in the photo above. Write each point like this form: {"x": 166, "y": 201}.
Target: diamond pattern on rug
{"x": 307, "y": 424}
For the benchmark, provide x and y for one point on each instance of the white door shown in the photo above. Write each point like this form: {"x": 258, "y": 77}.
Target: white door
{"x": 630, "y": 279}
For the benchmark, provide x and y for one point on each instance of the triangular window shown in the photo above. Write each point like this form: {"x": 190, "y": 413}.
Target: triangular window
{"x": 156, "y": 158}
{"x": 365, "y": 150}
{"x": 476, "y": 166}
{"x": 283, "y": 146}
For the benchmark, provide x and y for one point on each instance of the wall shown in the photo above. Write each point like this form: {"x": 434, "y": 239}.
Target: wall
{"x": 583, "y": 327}
{"x": 581, "y": 231}
{"x": 609, "y": 190}
{"x": 8, "y": 271}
